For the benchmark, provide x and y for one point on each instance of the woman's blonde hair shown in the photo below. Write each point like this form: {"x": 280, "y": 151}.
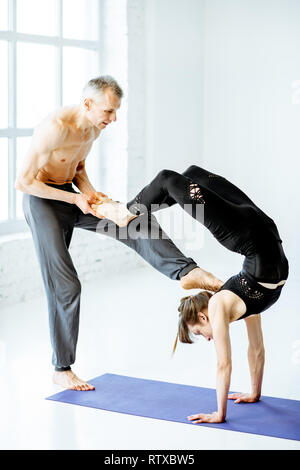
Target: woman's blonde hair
{"x": 188, "y": 309}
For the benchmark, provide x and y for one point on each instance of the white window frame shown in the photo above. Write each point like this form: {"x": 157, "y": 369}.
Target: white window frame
{"x": 14, "y": 224}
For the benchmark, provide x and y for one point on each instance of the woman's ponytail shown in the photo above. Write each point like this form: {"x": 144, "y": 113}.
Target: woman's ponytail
{"x": 188, "y": 309}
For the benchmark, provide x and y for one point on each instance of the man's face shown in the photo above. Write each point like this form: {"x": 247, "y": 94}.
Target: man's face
{"x": 103, "y": 111}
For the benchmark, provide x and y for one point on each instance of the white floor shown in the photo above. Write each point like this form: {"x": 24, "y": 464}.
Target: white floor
{"x": 128, "y": 326}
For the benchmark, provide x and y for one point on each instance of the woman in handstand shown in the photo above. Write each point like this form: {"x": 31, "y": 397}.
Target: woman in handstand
{"x": 239, "y": 225}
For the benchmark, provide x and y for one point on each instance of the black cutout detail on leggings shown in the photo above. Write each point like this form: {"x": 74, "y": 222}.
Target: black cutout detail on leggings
{"x": 195, "y": 193}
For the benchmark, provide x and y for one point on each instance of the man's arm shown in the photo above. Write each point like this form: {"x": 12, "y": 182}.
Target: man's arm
{"x": 256, "y": 358}
{"x": 81, "y": 180}
{"x": 45, "y": 139}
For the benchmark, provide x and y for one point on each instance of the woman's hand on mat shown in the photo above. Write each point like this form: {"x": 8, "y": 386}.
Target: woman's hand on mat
{"x": 206, "y": 418}
{"x": 83, "y": 201}
{"x": 243, "y": 397}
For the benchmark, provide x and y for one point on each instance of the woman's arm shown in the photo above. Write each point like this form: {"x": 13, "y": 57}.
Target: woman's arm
{"x": 219, "y": 313}
{"x": 219, "y": 310}
{"x": 256, "y": 353}
{"x": 256, "y": 358}
{"x": 224, "y": 367}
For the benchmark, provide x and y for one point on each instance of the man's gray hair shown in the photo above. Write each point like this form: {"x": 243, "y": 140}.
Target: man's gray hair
{"x": 95, "y": 87}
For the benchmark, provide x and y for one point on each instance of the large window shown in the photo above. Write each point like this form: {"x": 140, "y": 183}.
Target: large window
{"x": 49, "y": 49}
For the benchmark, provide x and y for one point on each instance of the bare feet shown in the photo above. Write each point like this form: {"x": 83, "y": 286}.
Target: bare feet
{"x": 115, "y": 211}
{"x": 68, "y": 379}
{"x": 199, "y": 279}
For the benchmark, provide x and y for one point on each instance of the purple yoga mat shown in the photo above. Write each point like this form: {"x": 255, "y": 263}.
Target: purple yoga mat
{"x": 275, "y": 417}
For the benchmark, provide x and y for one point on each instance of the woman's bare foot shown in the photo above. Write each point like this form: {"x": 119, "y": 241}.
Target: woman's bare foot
{"x": 67, "y": 379}
{"x": 199, "y": 279}
{"x": 115, "y": 211}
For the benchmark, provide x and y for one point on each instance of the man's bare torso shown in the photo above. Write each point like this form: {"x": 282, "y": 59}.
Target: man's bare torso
{"x": 65, "y": 160}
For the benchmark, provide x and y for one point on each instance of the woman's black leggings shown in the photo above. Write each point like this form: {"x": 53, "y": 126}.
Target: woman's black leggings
{"x": 229, "y": 214}
{"x": 165, "y": 190}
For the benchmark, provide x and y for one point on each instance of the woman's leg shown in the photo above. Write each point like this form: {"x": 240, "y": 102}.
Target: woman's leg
{"x": 219, "y": 185}
{"x": 166, "y": 199}
{"x": 165, "y": 190}
{"x": 168, "y": 185}
{"x": 176, "y": 188}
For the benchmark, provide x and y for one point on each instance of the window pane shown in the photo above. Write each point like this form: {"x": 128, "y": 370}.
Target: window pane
{"x": 3, "y": 15}
{"x": 37, "y": 17}
{"x": 23, "y": 144}
{"x": 79, "y": 66}
{"x": 4, "y": 179}
{"x": 80, "y": 19}
{"x": 3, "y": 85}
{"x": 36, "y": 83}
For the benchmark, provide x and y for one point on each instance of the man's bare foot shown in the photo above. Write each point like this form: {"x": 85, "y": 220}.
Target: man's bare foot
{"x": 115, "y": 211}
{"x": 197, "y": 278}
{"x": 67, "y": 379}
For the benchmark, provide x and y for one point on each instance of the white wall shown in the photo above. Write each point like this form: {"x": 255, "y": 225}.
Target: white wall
{"x": 114, "y": 61}
{"x": 251, "y": 126}
{"x": 175, "y": 102}
{"x": 220, "y": 77}
{"x": 174, "y": 66}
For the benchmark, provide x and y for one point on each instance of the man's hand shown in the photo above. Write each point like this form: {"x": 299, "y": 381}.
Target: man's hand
{"x": 98, "y": 197}
{"x": 243, "y": 397}
{"x": 83, "y": 201}
{"x": 206, "y": 418}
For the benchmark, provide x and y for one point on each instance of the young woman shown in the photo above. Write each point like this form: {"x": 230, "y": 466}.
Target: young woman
{"x": 240, "y": 226}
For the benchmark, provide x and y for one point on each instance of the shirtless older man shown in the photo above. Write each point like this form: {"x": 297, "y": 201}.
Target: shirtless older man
{"x": 52, "y": 208}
